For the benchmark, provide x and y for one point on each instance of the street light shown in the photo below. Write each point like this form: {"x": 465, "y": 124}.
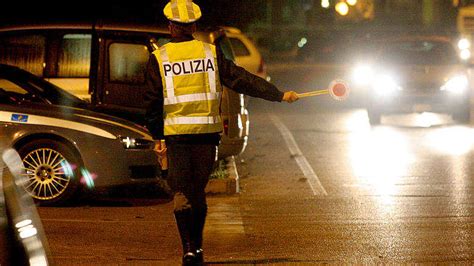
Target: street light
{"x": 342, "y": 8}
{"x": 325, "y": 3}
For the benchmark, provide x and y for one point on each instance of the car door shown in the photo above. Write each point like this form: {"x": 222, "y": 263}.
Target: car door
{"x": 121, "y": 73}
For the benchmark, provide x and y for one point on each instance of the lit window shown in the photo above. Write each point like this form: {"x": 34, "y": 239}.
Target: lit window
{"x": 128, "y": 62}
{"x": 74, "y": 60}
{"x": 26, "y": 52}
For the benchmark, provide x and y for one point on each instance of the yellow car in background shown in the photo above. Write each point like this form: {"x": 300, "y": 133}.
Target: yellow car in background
{"x": 246, "y": 53}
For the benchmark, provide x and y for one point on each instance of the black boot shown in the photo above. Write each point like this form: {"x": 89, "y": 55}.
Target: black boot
{"x": 199, "y": 219}
{"x": 184, "y": 220}
{"x": 189, "y": 259}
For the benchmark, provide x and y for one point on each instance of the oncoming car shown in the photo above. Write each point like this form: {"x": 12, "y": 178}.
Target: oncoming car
{"x": 67, "y": 149}
{"x": 416, "y": 74}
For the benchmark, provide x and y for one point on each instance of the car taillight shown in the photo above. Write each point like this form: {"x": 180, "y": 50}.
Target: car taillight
{"x": 262, "y": 68}
{"x": 226, "y": 126}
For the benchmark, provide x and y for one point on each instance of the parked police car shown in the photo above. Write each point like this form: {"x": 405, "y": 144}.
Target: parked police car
{"x": 67, "y": 149}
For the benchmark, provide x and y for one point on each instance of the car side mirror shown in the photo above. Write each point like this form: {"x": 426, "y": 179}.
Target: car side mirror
{"x": 154, "y": 44}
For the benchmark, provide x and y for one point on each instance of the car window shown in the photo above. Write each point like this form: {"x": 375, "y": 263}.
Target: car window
{"x": 158, "y": 42}
{"x": 32, "y": 88}
{"x": 75, "y": 56}
{"x": 26, "y": 52}
{"x": 419, "y": 52}
{"x": 226, "y": 48}
{"x": 12, "y": 93}
{"x": 9, "y": 86}
{"x": 128, "y": 62}
{"x": 162, "y": 41}
{"x": 239, "y": 47}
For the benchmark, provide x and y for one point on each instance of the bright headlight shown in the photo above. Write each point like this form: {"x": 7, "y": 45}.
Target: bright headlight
{"x": 464, "y": 44}
{"x": 362, "y": 74}
{"x": 133, "y": 143}
{"x": 385, "y": 85}
{"x": 457, "y": 84}
{"x": 465, "y": 54}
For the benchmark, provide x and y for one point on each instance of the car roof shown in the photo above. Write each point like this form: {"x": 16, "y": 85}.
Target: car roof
{"x": 98, "y": 26}
{"x": 407, "y": 38}
{"x": 207, "y": 34}
{"x": 85, "y": 26}
{"x": 232, "y": 29}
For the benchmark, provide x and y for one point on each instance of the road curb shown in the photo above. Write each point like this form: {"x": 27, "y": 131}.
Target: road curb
{"x": 229, "y": 185}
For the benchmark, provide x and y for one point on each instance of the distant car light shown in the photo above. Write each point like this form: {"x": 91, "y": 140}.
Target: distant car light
{"x": 457, "y": 84}
{"x": 465, "y": 54}
{"x": 302, "y": 42}
{"x": 362, "y": 75}
{"x": 342, "y": 8}
{"x": 385, "y": 85}
{"x": 464, "y": 44}
{"x": 325, "y": 3}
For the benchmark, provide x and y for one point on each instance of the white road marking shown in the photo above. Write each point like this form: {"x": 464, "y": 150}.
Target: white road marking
{"x": 296, "y": 153}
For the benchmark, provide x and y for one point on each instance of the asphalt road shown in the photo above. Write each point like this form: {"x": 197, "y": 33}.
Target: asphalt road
{"x": 318, "y": 185}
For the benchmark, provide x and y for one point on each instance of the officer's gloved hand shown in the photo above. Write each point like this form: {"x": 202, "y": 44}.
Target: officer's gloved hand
{"x": 160, "y": 149}
{"x": 290, "y": 96}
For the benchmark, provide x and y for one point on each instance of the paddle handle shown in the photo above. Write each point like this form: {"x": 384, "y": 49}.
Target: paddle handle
{"x": 313, "y": 93}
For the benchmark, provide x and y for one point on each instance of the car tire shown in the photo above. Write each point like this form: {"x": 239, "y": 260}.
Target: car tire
{"x": 375, "y": 118}
{"x": 52, "y": 171}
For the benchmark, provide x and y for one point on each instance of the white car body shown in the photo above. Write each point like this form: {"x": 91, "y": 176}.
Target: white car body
{"x": 246, "y": 53}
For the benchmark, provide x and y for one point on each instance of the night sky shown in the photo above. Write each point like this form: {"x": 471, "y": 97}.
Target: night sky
{"x": 217, "y": 12}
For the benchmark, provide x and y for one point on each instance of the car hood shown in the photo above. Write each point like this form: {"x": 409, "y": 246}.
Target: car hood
{"x": 116, "y": 127}
{"x": 434, "y": 75}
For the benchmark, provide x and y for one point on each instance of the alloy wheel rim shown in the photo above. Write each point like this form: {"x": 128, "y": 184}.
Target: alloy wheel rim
{"x": 48, "y": 173}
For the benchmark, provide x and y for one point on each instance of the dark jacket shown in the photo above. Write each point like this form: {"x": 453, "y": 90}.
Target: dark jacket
{"x": 234, "y": 77}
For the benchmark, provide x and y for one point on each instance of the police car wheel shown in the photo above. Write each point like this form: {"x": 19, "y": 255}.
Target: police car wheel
{"x": 52, "y": 171}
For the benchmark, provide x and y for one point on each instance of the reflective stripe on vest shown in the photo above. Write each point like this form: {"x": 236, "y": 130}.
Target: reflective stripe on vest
{"x": 191, "y": 87}
{"x": 192, "y": 98}
{"x": 196, "y": 120}
{"x": 174, "y": 9}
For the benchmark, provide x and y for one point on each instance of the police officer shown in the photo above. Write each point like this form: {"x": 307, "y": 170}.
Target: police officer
{"x": 185, "y": 78}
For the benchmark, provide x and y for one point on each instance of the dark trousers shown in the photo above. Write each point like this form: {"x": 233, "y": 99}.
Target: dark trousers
{"x": 190, "y": 166}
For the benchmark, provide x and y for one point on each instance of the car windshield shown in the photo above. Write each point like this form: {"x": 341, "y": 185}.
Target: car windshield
{"x": 17, "y": 85}
{"x": 224, "y": 44}
{"x": 420, "y": 52}
{"x": 332, "y": 49}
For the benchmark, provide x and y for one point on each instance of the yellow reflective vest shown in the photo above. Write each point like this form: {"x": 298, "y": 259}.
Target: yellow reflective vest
{"x": 191, "y": 87}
